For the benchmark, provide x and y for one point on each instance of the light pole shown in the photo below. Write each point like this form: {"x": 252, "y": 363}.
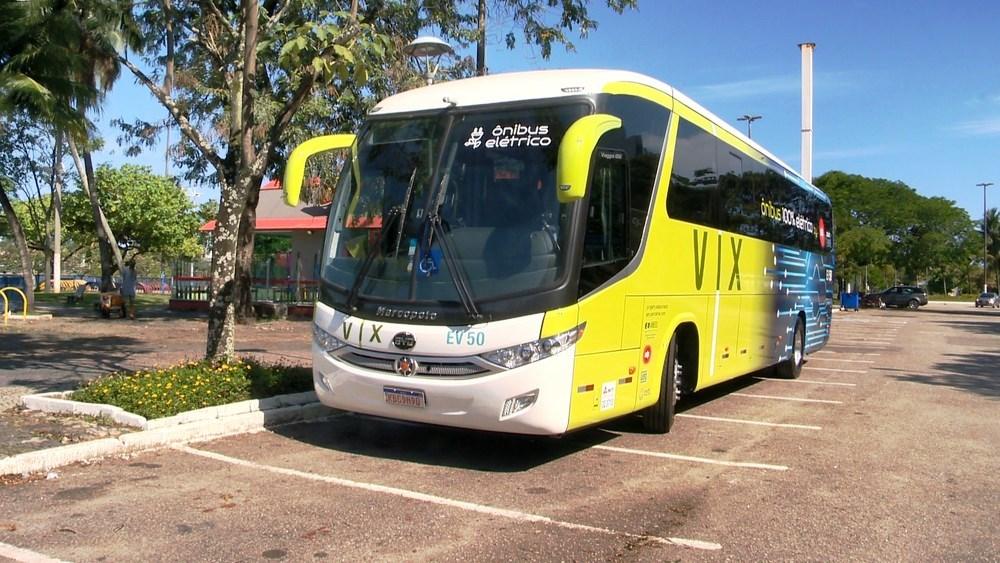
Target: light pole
{"x": 984, "y": 185}
{"x": 749, "y": 119}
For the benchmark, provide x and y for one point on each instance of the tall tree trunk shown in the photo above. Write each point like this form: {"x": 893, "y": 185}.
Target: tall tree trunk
{"x": 111, "y": 256}
{"x": 56, "y": 282}
{"x": 168, "y": 75}
{"x": 22, "y": 249}
{"x": 244, "y": 255}
{"x": 222, "y": 305}
{"x": 221, "y": 341}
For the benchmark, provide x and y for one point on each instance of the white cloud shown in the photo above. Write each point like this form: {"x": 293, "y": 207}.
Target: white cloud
{"x": 850, "y": 152}
{"x": 770, "y": 86}
{"x": 978, "y": 127}
{"x": 748, "y": 88}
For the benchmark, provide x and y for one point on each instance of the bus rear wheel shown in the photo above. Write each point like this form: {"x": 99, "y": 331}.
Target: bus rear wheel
{"x": 659, "y": 417}
{"x": 792, "y": 367}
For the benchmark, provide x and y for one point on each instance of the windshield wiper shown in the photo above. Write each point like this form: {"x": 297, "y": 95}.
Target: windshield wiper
{"x": 455, "y": 269}
{"x": 435, "y": 226}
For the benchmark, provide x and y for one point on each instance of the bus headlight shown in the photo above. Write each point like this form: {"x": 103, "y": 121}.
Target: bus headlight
{"x": 326, "y": 341}
{"x": 523, "y": 354}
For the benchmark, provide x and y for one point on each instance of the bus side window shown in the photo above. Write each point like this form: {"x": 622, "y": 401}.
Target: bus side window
{"x": 605, "y": 243}
{"x": 693, "y": 179}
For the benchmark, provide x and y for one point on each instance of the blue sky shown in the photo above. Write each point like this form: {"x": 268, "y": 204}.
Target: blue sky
{"x": 904, "y": 90}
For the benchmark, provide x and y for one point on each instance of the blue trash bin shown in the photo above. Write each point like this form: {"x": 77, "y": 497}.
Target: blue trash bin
{"x": 850, "y": 300}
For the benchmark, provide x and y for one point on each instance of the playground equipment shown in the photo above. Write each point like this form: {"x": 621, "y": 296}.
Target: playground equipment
{"x": 6, "y": 303}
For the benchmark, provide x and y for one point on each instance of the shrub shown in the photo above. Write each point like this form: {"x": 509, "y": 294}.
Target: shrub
{"x": 193, "y": 385}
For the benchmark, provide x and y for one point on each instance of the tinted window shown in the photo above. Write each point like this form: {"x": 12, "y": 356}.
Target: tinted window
{"x": 605, "y": 239}
{"x": 641, "y": 136}
{"x": 622, "y": 182}
{"x": 693, "y": 178}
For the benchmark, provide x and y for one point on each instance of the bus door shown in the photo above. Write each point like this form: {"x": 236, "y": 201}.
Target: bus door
{"x": 605, "y": 374}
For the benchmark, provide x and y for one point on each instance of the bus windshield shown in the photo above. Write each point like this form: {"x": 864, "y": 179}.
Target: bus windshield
{"x": 432, "y": 208}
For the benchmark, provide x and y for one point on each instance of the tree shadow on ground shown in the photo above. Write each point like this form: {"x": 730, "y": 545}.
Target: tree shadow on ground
{"x": 969, "y": 311}
{"x": 56, "y": 362}
{"x": 976, "y": 326}
{"x": 977, "y": 373}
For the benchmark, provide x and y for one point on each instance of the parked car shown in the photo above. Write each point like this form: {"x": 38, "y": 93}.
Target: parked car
{"x": 988, "y": 299}
{"x": 908, "y": 296}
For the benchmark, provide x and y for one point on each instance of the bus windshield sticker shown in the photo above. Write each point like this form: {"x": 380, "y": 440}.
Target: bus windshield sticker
{"x": 510, "y": 136}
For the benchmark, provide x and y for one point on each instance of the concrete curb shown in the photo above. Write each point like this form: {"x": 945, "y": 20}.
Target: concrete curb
{"x": 226, "y": 420}
{"x": 32, "y": 317}
{"x": 58, "y": 402}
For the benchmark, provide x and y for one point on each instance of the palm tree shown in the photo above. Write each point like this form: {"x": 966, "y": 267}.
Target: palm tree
{"x": 58, "y": 63}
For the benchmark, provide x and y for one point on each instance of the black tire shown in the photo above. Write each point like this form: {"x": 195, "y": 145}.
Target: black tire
{"x": 659, "y": 417}
{"x": 913, "y": 304}
{"x": 792, "y": 367}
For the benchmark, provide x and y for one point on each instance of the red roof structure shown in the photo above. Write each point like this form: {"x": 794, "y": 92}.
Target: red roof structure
{"x": 274, "y": 215}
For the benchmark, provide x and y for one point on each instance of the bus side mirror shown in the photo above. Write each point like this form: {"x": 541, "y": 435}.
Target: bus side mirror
{"x": 575, "y": 153}
{"x": 296, "y": 166}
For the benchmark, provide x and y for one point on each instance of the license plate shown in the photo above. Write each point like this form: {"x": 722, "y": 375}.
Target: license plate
{"x": 404, "y": 397}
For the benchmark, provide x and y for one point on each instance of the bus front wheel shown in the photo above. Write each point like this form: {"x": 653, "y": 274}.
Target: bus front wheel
{"x": 659, "y": 417}
{"x": 792, "y": 367}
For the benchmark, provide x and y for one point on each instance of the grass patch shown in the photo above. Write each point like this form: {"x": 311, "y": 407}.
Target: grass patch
{"x": 193, "y": 385}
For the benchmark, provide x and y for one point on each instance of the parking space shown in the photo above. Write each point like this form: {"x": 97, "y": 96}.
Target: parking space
{"x": 883, "y": 449}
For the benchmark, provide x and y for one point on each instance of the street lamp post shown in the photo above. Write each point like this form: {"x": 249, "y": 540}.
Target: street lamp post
{"x": 985, "y": 185}
{"x": 749, "y": 119}
{"x": 426, "y": 53}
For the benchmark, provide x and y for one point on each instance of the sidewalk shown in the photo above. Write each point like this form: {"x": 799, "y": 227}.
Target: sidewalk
{"x": 77, "y": 345}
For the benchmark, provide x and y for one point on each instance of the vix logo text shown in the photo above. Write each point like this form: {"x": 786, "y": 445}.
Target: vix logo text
{"x": 701, "y": 252}
{"x": 373, "y": 332}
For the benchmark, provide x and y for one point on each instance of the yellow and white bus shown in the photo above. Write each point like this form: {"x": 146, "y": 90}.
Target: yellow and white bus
{"x": 539, "y": 252}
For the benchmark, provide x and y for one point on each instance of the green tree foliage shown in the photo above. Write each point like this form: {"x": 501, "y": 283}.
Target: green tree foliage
{"x": 151, "y": 214}
{"x": 881, "y": 222}
{"x": 234, "y": 78}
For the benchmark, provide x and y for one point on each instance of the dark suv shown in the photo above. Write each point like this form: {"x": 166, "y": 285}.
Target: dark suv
{"x": 903, "y": 296}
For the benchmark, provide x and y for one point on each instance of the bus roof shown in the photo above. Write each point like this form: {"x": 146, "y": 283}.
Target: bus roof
{"x": 545, "y": 84}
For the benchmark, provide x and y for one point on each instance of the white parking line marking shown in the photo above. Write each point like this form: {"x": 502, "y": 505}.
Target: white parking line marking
{"x": 777, "y": 398}
{"x": 751, "y": 422}
{"x": 25, "y": 555}
{"x": 843, "y": 360}
{"x": 442, "y": 501}
{"x": 836, "y": 369}
{"x": 867, "y": 321}
{"x": 814, "y": 382}
{"x": 843, "y": 353}
{"x": 694, "y": 459}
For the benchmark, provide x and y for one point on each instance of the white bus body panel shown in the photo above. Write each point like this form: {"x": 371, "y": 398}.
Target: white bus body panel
{"x": 468, "y": 402}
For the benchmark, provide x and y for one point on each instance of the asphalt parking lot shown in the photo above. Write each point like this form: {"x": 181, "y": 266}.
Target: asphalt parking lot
{"x": 884, "y": 449}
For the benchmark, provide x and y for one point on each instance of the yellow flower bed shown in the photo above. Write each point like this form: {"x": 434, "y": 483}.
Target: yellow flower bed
{"x": 193, "y": 385}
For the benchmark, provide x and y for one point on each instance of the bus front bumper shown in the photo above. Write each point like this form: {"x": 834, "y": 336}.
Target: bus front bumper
{"x": 474, "y": 402}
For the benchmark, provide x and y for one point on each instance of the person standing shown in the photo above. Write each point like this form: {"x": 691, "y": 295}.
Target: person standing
{"x": 128, "y": 288}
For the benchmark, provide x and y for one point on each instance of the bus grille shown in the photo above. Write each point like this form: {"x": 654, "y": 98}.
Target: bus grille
{"x": 427, "y": 368}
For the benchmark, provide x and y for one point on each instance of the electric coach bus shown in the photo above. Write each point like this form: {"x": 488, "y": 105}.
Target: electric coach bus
{"x": 539, "y": 252}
